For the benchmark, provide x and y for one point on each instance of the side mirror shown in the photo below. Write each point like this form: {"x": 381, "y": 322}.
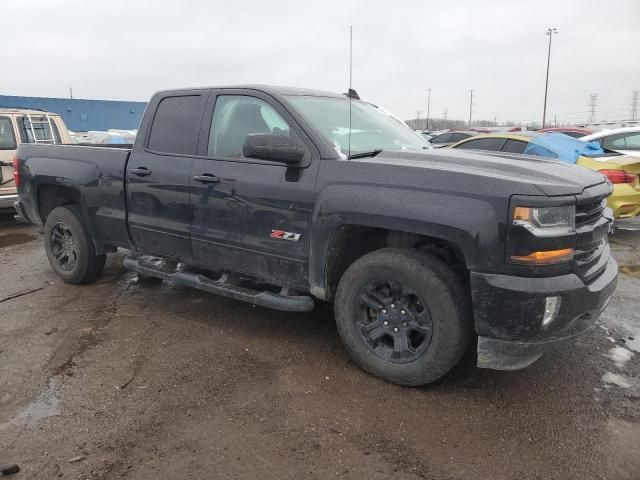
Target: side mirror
{"x": 272, "y": 146}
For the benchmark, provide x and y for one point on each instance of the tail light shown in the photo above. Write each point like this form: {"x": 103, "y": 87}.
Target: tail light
{"x": 16, "y": 176}
{"x": 618, "y": 176}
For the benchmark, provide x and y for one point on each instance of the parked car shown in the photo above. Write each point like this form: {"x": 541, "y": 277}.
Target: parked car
{"x": 623, "y": 140}
{"x": 621, "y": 170}
{"x": 250, "y": 192}
{"x": 571, "y": 131}
{"x": 449, "y": 138}
{"x": 24, "y": 126}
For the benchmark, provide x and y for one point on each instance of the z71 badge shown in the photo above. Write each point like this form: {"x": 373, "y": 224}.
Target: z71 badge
{"x": 282, "y": 235}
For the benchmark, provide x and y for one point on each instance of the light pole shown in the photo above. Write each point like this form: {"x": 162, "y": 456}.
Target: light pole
{"x": 428, "y": 105}
{"x": 550, "y": 32}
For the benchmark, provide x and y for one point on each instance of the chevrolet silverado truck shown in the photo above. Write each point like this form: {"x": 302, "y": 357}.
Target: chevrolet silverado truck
{"x": 286, "y": 197}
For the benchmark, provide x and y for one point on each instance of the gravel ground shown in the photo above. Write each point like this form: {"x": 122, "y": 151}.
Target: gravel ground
{"x": 151, "y": 380}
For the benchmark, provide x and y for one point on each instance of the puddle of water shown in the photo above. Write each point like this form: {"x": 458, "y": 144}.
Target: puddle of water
{"x": 11, "y": 239}
{"x": 47, "y": 404}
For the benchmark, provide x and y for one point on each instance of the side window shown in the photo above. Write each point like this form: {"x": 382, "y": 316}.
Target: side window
{"x": 236, "y": 116}
{"x": 7, "y": 137}
{"x": 444, "y": 138}
{"x": 491, "y": 144}
{"x": 633, "y": 141}
{"x": 514, "y": 146}
{"x": 174, "y": 125}
{"x": 614, "y": 142}
{"x": 456, "y": 137}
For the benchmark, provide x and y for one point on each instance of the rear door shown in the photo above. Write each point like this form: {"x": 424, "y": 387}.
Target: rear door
{"x": 158, "y": 174}
{"x": 251, "y": 215}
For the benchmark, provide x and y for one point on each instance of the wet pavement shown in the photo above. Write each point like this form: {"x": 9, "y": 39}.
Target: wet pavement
{"x": 150, "y": 380}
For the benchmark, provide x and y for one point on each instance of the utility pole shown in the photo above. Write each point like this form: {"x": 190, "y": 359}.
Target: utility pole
{"x": 593, "y": 103}
{"x": 418, "y": 112}
{"x": 444, "y": 113}
{"x": 71, "y": 92}
{"x": 555, "y": 121}
{"x": 470, "y": 107}
{"x": 428, "y": 106}
{"x": 634, "y": 105}
{"x": 550, "y": 32}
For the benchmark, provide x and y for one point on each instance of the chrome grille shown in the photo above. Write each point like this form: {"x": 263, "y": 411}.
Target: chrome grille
{"x": 591, "y": 254}
{"x": 590, "y": 212}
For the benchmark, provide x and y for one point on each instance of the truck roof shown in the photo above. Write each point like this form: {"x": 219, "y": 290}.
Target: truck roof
{"x": 30, "y": 111}
{"x": 270, "y": 89}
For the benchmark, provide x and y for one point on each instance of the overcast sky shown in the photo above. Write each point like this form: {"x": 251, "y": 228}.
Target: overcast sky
{"x": 126, "y": 50}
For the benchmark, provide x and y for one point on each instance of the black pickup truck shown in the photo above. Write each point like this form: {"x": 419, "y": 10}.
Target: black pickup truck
{"x": 285, "y": 197}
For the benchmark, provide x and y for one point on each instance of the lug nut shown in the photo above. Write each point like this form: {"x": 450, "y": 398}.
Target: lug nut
{"x": 395, "y": 329}
{"x": 393, "y": 305}
{"x": 403, "y": 312}
{"x": 384, "y": 310}
{"x": 404, "y": 324}
{"x": 385, "y": 323}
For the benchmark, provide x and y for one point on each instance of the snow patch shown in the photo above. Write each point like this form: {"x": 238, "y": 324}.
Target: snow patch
{"x": 615, "y": 379}
{"x": 620, "y": 356}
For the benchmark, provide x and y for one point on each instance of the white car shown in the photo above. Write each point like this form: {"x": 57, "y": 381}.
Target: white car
{"x": 623, "y": 140}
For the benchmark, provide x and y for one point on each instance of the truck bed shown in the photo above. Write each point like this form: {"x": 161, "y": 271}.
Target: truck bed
{"x": 98, "y": 171}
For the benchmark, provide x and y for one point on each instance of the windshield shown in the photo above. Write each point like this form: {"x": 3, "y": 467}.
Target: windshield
{"x": 371, "y": 127}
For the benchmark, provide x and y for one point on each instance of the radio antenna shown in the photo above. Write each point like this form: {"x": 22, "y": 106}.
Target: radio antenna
{"x": 350, "y": 84}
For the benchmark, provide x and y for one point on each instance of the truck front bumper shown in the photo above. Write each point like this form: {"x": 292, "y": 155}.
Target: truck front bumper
{"x": 509, "y": 313}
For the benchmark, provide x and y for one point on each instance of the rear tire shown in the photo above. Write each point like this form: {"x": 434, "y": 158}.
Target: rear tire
{"x": 403, "y": 315}
{"x": 69, "y": 246}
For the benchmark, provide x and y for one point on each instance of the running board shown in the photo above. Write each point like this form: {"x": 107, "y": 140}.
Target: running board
{"x": 153, "y": 267}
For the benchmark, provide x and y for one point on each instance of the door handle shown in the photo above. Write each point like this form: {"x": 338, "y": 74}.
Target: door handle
{"x": 141, "y": 171}
{"x": 206, "y": 178}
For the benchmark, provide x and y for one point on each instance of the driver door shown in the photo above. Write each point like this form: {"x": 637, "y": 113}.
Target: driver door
{"x": 251, "y": 215}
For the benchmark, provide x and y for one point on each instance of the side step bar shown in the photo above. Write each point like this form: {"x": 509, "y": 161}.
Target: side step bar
{"x": 153, "y": 267}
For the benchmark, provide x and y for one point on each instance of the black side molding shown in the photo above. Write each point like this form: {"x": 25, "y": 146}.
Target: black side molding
{"x": 278, "y": 301}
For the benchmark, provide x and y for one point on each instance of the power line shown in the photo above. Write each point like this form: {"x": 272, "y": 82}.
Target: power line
{"x": 428, "y": 106}
{"x": 593, "y": 103}
{"x": 634, "y": 104}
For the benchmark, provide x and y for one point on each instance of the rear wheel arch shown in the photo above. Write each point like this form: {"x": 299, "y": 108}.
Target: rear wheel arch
{"x": 51, "y": 196}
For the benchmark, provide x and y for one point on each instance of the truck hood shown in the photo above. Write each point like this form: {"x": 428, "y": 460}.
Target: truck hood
{"x": 551, "y": 177}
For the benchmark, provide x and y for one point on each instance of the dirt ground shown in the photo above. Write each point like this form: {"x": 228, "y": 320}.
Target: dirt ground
{"x": 150, "y": 380}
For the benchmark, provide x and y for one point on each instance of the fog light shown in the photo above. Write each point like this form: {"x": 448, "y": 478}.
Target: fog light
{"x": 551, "y": 309}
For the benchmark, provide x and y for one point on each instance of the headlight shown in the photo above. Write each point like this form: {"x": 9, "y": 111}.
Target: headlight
{"x": 546, "y": 221}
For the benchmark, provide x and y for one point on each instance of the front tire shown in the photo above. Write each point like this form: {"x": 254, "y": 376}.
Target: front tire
{"x": 69, "y": 246}
{"x": 403, "y": 315}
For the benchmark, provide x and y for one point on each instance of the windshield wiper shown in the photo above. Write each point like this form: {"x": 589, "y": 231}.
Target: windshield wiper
{"x": 372, "y": 153}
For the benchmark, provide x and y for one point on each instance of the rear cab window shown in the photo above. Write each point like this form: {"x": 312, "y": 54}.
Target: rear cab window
{"x": 38, "y": 129}
{"x": 7, "y": 136}
{"x": 175, "y": 125}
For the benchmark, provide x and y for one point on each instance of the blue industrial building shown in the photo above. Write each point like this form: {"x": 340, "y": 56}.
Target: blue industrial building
{"x": 84, "y": 115}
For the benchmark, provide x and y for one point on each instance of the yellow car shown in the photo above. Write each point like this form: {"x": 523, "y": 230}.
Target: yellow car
{"x": 622, "y": 170}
